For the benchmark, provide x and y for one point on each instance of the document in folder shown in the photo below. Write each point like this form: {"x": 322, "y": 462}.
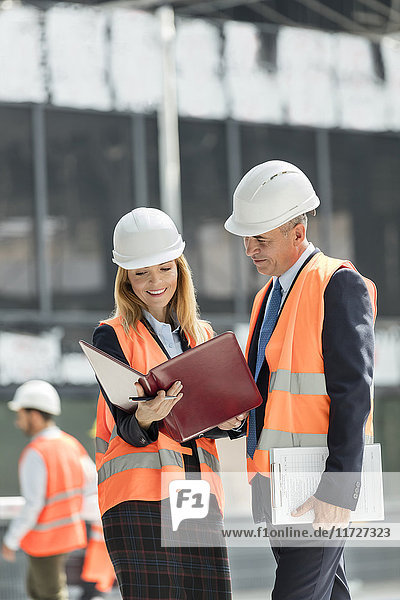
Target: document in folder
{"x": 296, "y": 473}
{"x": 217, "y": 384}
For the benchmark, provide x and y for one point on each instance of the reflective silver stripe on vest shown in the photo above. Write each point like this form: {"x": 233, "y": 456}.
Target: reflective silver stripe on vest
{"x": 209, "y": 459}
{"x": 101, "y": 446}
{"x": 139, "y": 460}
{"x": 75, "y": 518}
{"x": 272, "y": 438}
{"x": 114, "y": 433}
{"x": 170, "y": 457}
{"x": 64, "y": 495}
{"x": 307, "y": 384}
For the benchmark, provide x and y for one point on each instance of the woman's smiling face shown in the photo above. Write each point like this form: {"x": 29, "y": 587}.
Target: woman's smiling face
{"x": 155, "y": 286}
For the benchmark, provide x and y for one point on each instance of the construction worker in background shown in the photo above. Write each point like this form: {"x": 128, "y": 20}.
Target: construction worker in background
{"x": 311, "y": 351}
{"x": 55, "y": 474}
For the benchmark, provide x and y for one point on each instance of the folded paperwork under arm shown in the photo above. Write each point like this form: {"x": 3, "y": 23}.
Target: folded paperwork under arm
{"x": 296, "y": 473}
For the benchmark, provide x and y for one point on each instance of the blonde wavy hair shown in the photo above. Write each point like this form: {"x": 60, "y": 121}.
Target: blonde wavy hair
{"x": 183, "y": 303}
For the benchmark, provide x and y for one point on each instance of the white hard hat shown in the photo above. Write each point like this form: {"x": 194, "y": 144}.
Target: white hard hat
{"x": 146, "y": 237}
{"x": 37, "y": 394}
{"x": 268, "y": 196}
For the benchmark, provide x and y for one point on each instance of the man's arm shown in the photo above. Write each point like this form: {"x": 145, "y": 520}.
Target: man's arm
{"x": 33, "y": 481}
{"x": 348, "y": 351}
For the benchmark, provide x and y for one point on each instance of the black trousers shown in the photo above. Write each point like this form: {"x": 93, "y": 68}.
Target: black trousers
{"x": 309, "y": 573}
{"x": 303, "y": 572}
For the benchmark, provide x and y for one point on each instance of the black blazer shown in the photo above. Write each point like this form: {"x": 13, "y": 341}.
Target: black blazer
{"x": 348, "y": 352}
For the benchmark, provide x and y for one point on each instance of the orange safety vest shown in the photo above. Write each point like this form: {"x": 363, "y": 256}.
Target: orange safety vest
{"x": 297, "y": 410}
{"x": 97, "y": 566}
{"x": 126, "y": 472}
{"x": 59, "y": 528}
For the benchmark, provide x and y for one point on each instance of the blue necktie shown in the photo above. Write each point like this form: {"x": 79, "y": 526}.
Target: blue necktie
{"x": 267, "y": 328}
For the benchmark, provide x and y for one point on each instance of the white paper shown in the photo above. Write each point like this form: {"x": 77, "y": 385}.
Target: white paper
{"x": 117, "y": 380}
{"x": 296, "y": 473}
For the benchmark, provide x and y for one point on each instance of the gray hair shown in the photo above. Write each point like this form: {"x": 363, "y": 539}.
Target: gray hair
{"x": 300, "y": 219}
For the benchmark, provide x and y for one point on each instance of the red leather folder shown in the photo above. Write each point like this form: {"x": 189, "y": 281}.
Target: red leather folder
{"x": 217, "y": 384}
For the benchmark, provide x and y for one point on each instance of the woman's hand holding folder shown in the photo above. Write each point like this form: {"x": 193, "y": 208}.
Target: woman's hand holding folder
{"x": 159, "y": 407}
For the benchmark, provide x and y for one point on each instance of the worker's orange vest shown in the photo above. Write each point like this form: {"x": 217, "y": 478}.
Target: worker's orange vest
{"x": 97, "y": 566}
{"x": 126, "y": 472}
{"x": 59, "y": 527}
{"x": 297, "y": 410}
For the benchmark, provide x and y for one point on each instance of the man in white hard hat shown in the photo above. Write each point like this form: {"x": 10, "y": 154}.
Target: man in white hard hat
{"x": 55, "y": 474}
{"x": 310, "y": 349}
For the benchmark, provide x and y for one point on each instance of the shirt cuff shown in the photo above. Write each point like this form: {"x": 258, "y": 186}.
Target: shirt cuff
{"x": 10, "y": 542}
{"x": 145, "y": 437}
{"x": 132, "y": 433}
{"x": 238, "y": 432}
{"x": 152, "y": 432}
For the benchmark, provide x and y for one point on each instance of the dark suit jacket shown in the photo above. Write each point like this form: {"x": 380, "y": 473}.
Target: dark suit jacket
{"x": 348, "y": 351}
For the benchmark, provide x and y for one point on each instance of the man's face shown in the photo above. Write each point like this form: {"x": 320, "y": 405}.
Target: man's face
{"x": 273, "y": 253}
{"x": 23, "y": 421}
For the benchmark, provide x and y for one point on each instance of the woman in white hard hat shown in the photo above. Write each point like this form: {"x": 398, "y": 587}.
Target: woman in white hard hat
{"x": 156, "y": 318}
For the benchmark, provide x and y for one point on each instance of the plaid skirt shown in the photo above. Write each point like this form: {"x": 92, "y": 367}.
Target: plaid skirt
{"x": 148, "y": 571}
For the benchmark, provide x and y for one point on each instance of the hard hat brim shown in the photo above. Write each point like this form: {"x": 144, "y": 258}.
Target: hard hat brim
{"x": 252, "y": 229}
{"x": 15, "y": 406}
{"x": 38, "y": 395}
{"x": 150, "y": 261}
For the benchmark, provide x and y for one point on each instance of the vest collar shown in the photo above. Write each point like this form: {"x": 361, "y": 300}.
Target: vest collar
{"x": 254, "y": 340}
{"x": 289, "y": 276}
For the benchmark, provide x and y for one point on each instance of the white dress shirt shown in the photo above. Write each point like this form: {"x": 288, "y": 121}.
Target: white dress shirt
{"x": 170, "y": 339}
{"x": 287, "y": 278}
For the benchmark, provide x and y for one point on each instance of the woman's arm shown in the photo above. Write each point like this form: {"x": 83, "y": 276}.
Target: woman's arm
{"x": 105, "y": 338}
